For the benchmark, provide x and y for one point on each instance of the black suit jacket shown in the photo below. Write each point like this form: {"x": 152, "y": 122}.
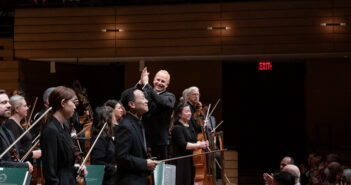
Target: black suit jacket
{"x": 131, "y": 152}
{"x": 57, "y": 154}
{"x": 7, "y": 139}
{"x": 157, "y": 119}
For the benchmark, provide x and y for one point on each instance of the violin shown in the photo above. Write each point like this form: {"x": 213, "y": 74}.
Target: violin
{"x": 14, "y": 155}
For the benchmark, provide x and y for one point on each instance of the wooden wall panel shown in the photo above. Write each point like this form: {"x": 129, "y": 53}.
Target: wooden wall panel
{"x": 64, "y": 20}
{"x": 62, "y": 36}
{"x": 64, "y": 12}
{"x": 169, "y": 9}
{"x": 9, "y": 75}
{"x": 65, "y": 53}
{"x": 67, "y": 44}
{"x": 6, "y": 49}
{"x": 231, "y": 167}
{"x": 168, "y": 51}
{"x": 62, "y": 28}
{"x": 166, "y": 30}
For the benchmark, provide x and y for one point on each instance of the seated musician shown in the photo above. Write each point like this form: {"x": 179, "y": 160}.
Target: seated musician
{"x": 6, "y": 137}
{"x": 184, "y": 142}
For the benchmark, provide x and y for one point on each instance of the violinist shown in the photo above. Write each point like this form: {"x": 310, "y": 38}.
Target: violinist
{"x": 19, "y": 111}
{"x": 157, "y": 119}
{"x": 104, "y": 151}
{"x": 118, "y": 110}
{"x": 6, "y": 137}
{"x": 184, "y": 142}
{"x": 57, "y": 145}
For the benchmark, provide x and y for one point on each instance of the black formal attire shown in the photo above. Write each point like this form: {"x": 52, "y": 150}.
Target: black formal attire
{"x": 157, "y": 120}
{"x": 185, "y": 170}
{"x": 25, "y": 143}
{"x": 7, "y": 139}
{"x": 193, "y": 123}
{"x": 57, "y": 154}
{"x": 104, "y": 154}
{"x": 131, "y": 152}
{"x": 36, "y": 129}
{"x": 75, "y": 123}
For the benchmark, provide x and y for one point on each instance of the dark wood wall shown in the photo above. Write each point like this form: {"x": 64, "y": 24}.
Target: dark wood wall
{"x": 9, "y": 76}
{"x": 181, "y": 30}
{"x": 328, "y": 100}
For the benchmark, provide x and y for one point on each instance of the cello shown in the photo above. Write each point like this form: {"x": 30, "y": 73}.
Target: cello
{"x": 203, "y": 175}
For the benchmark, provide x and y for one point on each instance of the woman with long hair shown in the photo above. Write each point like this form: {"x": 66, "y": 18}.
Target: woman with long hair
{"x": 118, "y": 110}
{"x": 19, "y": 110}
{"x": 184, "y": 143}
{"x": 104, "y": 151}
{"x": 56, "y": 142}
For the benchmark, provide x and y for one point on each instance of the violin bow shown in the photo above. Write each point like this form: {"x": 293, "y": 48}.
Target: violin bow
{"x": 191, "y": 155}
{"x": 31, "y": 113}
{"x": 25, "y": 132}
{"x": 29, "y": 151}
{"x": 91, "y": 148}
{"x": 214, "y": 107}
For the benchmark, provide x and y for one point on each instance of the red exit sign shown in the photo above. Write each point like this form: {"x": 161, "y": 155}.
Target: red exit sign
{"x": 265, "y": 65}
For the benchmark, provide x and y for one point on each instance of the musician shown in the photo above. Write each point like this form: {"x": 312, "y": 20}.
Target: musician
{"x": 133, "y": 165}
{"x": 157, "y": 119}
{"x": 36, "y": 129}
{"x": 104, "y": 151}
{"x": 19, "y": 111}
{"x": 6, "y": 137}
{"x": 193, "y": 98}
{"x": 118, "y": 111}
{"x": 76, "y": 126}
{"x": 57, "y": 146}
{"x": 184, "y": 142}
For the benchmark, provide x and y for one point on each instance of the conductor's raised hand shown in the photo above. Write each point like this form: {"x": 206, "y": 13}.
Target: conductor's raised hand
{"x": 144, "y": 78}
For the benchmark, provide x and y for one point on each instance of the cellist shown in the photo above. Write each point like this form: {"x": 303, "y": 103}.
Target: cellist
{"x": 192, "y": 95}
{"x": 184, "y": 142}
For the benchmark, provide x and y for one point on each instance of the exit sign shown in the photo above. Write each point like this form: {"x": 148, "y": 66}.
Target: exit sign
{"x": 265, "y": 65}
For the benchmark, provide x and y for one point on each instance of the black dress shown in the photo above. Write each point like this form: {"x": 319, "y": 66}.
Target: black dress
{"x": 6, "y": 139}
{"x": 185, "y": 171}
{"x": 57, "y": 154}
{"x": 25, "y": 143}
{"x": 104, "y": 154}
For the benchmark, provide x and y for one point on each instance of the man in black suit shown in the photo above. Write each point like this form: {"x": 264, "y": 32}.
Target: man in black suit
{"x": 158, "y": 118}
{"x": 133, "y": 167}
{"x": 6, "y": 137}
